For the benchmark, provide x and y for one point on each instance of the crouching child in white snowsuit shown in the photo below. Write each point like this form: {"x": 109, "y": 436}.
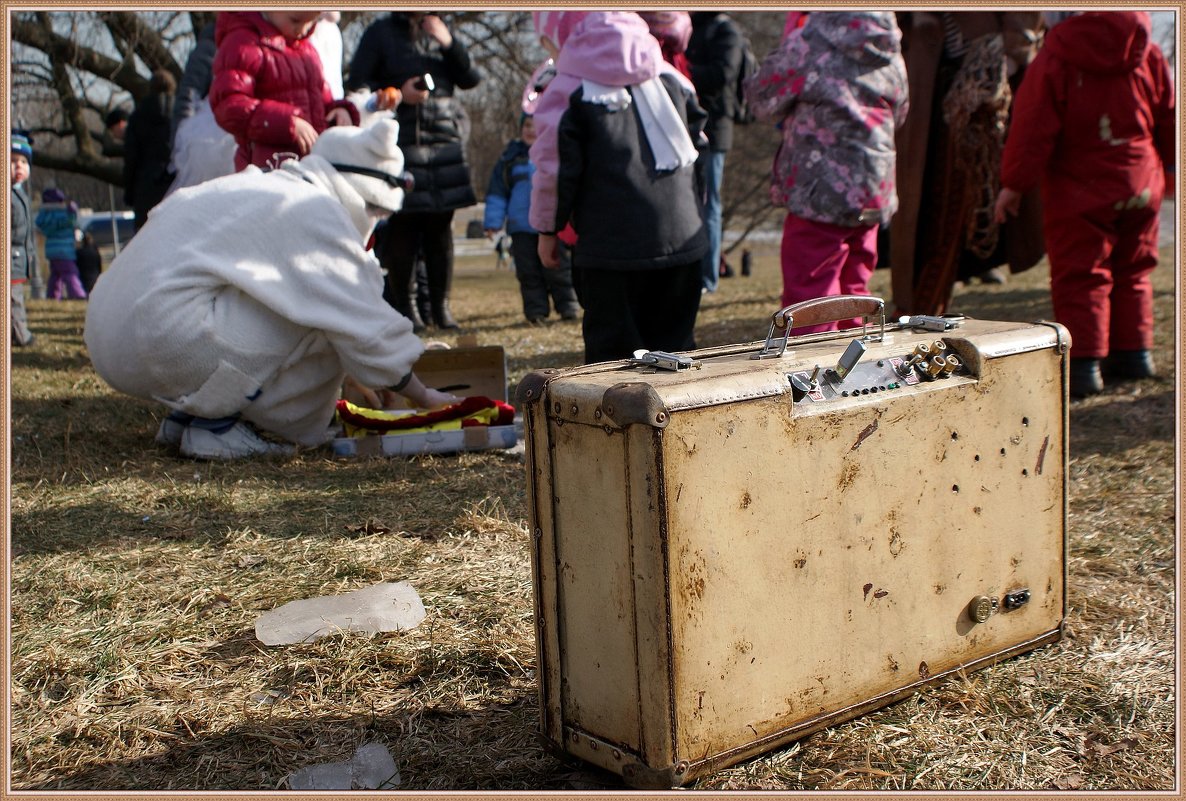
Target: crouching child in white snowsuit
{"x": 251, "y": 298}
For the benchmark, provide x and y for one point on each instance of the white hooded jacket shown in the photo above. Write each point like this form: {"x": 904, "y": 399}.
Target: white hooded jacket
{"x": 251, "y": 294}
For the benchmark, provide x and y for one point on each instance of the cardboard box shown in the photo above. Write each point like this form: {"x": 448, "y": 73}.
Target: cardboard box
{"x": 464, "y": 371}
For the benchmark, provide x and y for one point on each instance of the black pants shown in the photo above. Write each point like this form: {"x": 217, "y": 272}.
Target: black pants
{"x": 538, "y": 283}
{"x": 429, "y": 232}
{"x": 629, "y": 310}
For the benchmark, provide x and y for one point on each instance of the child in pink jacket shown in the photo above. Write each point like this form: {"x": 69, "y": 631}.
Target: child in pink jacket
{"x": 837, "y": 87}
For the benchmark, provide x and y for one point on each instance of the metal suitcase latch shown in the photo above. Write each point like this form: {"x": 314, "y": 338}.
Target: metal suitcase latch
{"x": 930, "y": 322}
{"x": 662, "y": 360}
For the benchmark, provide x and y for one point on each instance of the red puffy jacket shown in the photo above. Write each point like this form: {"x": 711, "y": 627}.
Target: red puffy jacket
{"x": 262, "y": 83}
{"x": 1094, "y": 117}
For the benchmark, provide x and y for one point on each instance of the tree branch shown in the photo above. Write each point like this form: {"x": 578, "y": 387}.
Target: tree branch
{"x": 141, "y": 39}
{"x": 103, "y": 169}
{"x": 40, "y": 35}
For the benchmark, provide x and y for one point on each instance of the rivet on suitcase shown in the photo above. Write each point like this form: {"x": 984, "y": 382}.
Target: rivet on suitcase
{"x": 738, "y": 546}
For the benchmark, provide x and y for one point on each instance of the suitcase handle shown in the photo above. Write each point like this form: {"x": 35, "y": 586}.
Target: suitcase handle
{"x": 816, "y": 311}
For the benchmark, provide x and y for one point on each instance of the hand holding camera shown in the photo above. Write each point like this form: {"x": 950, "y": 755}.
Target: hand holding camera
{"x": 417, "y": 89}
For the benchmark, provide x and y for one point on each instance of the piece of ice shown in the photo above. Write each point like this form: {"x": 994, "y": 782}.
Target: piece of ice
{"x": 371, "y": 768}
{"x": 382, "y": 607}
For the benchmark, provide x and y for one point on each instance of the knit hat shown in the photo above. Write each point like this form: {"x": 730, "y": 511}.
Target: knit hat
{"x": 53, "y": 195}
{"x": 673, "y": 29}
{"x": 22, "y": 145}
{"x": 556, "y": 25}
{"x": 369, "y": 159}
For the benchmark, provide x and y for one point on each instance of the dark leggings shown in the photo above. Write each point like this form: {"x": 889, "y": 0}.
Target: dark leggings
{"x": 429, "y": 232}
{"x": 629, "y": 310}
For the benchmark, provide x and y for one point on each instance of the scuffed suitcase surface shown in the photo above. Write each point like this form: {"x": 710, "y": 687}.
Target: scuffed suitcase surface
{"x": 720, "y": 569}
{"x": 895, "y": 517}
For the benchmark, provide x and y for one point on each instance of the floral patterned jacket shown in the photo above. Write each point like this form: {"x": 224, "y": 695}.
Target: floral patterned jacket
{"x": 837, "y": 88}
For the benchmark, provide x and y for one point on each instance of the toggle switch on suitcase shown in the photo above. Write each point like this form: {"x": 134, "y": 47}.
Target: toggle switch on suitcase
{"x": 738, "y": 546}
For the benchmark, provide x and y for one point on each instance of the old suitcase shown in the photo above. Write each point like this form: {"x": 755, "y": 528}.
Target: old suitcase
{"x": 735, "y": 547}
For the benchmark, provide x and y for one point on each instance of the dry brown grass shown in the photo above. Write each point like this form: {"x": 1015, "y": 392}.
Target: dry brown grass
{"x": 137, "y": 576}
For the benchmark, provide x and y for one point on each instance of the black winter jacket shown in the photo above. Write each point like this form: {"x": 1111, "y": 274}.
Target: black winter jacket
{"x": 195, "y": 81}
{"x": 432, "y": 134}
{"x": 714, "y": 55}
{"x": 629, "y": 217}
{"x": 147, "y": 152}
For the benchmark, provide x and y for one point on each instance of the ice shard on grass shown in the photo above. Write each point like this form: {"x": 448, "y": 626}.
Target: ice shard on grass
{"x": 371, "y": 768}
{"x": 382, "y": 607}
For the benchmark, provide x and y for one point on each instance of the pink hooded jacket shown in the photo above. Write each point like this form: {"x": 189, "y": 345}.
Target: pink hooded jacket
{"x": 613, "y": 48}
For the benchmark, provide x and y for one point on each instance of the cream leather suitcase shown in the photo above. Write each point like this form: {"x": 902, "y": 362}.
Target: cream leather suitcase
{"x": 738, "y": 546}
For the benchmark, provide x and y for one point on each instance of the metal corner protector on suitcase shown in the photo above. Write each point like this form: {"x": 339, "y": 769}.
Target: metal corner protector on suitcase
{"x": 738, "y": 546}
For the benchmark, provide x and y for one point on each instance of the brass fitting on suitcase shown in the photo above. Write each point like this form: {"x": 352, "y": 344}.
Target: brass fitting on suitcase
{"x": 917, "y": 358}
{"x": 935, "y": 367}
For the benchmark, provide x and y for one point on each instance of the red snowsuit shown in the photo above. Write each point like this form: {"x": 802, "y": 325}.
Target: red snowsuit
{"x": 1094, "y": 119}
{"x": 262, "y": 83}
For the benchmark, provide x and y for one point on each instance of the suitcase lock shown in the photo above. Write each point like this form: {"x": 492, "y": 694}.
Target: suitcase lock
{"x": 662, "y": 360}
{"x": 982, "y": 607}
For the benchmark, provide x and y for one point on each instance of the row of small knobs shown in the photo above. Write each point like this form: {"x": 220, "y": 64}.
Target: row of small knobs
{"x": 932, "y": 360}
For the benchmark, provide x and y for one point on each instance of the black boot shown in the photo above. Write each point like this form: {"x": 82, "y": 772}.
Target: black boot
{"x": 423, "y": 302}
{"x": 418, "y": 322}
{"x": 1085, "y": 378}
{"x": 1129, "y": 364}
{"x": 423, "y": 306}
{"x": 441, "y": 314}
{"x": 440, "y": 279}
{"x": 401, "y": 296}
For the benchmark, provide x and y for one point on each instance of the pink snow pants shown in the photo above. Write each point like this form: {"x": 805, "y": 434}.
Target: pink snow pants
{"x": 821, "y": 260}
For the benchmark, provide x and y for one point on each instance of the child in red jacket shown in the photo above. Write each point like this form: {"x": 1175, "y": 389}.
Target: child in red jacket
{"x": 1094, "y": 120}
{"x": 269, "y": 89}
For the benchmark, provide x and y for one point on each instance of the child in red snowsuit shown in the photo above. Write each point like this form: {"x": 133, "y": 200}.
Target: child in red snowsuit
{"x": 1094, "y": 120}
{"x": 268, "y": 87}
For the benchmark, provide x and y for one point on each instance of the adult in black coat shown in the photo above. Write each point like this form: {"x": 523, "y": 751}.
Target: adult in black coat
{"x": 715, "y": 52}
{"x": 148, "y": 147}
{"x": 399, "y": 50}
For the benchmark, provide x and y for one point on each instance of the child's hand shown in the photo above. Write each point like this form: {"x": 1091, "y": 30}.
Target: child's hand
{"x": 387, "y": 98}
{"x": 306, "y": 135}
{"x": 1008, "y": 203}
{"x": 339, "y": 116}
{"x": 549, "y": 252}
{"x": 490, "y": 232}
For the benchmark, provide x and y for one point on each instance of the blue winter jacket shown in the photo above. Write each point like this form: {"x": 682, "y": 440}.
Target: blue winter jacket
{"x": 508, "y": 197}
{"x": 57, "y": 222}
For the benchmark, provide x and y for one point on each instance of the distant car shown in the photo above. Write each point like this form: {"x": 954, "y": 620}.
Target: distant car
{"x": 99, "y": 227}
